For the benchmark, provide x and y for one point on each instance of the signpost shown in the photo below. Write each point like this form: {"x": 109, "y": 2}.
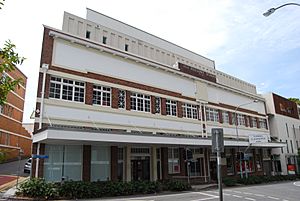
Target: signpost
{"x": 40, "y": 156}
{"x": 218, "y": 146}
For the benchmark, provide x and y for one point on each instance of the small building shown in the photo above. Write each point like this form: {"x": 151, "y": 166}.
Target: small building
{"x": 285, "y": 127}
{"x": 117, "y": 103}
{"x": 14, "y": 139}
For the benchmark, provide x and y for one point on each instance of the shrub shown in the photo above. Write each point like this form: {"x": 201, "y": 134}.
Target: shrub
{"x": 38, "y": 188}
{"x": 266, "y": 179}
{"x": 228, "y": 181}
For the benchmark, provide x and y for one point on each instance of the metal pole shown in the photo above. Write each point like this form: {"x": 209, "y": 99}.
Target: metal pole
{"x": 18, "y": 168}
{"x": 219, "y": 175}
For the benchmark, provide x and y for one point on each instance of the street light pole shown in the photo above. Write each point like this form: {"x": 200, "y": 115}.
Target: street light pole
{"x": 272, "y": 10}
{"x": 237, "y": 132}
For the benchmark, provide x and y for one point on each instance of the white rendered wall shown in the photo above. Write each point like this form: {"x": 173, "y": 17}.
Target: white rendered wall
{"x": 136, "y": 122}
{"x": 218, "y": 95}
{"x": 79, "y": 58}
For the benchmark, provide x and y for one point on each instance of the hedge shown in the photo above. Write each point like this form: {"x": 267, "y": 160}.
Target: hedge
{"x": 39, "y": 188}
{"x": 230, "y": 181}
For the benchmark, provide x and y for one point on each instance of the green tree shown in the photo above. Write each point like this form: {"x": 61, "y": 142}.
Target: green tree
{"x": 296, "y": 100}
{"x": 8, "y": 60}
{"x": 1, "y": 3}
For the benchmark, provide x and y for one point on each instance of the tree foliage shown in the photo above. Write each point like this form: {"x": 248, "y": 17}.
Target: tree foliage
{"x": 296, "y": 100}
{"x": 1, "y": 3}
{"x": 8, "y": 60}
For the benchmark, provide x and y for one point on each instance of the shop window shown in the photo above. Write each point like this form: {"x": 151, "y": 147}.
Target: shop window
{"x": 258, "y": 162}
{"x": 173, "y": 160}
{"x": 64, "y": 162}
{"x": 100, "y": 163}
{"x": 171, "y": 107}
{"x": 229, "y": 162}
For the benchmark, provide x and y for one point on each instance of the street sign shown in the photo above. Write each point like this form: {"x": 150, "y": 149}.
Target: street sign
{"x": 258, "y": 138}
{"x": 40, "y": 156}
{"x": 246, "y": 156}
{"x": 217, "y": 140}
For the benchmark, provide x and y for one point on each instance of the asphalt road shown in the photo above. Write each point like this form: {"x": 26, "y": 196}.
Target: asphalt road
{"x": 289, "y": 191}
{"x": 12, "y": 168}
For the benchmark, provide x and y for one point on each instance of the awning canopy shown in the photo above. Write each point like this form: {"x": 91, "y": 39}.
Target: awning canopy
{"x": 75, "y": 136}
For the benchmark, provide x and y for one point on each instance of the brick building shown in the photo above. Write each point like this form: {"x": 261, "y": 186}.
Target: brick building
{"x": 285, "y": 127}
{"x": 117, "y": 103}
{"x": 13, "y": 136}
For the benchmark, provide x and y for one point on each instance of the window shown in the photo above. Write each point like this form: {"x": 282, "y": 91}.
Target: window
{"x": 157, "y": 105}
{"x": 126, "y": 47}
{"x": 171, "y": 107}
{"x": 173, "y": 160}
{"x": 140, "y": 102}
{"x": 212, "y": 115}
{"x": 100, "y": 163}
{"x": 104, "y": 39}
{"x": 7, "y": 139}
{"x": 122, "y": 98}
{"x": 225, "y": 116}
{"x": 65, "y": 161}
{"x": 66, "y": 89}
{"x": 189, "y": 111}
{"x": 292, "y": 147}
{"x": 263, "y": 123}
{"x": 229, "y": 161}
{"x": 287, "y": 130}
{"x": 254, "y": 122}
{"x": 88, "y": 34}
{"x": 241, "y": 119}
{"x": 101, "y": 95}
{"x": 287, "y": 146}
{"x": 258, "y": 161}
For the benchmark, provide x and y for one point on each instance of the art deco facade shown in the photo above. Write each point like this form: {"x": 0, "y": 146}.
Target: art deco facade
{"x": 117, "y": 103}
{"x": 285, "y": 127}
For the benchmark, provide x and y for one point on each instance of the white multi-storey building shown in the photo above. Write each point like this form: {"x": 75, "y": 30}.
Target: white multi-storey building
{"x": 117, "y": 103}
{"x": 285, "y": 127}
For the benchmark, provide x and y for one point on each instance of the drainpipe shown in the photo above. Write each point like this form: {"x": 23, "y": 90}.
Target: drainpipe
{"x": 44, "y": 69}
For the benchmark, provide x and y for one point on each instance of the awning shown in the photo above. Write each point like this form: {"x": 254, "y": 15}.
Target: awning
{"x": 75, "y": 136}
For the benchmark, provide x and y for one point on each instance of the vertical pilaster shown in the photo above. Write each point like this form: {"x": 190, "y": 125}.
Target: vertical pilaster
{"x": 114, "y": 163}
{"x": 153, "y": 164}
{"x": 128, "y": 163}
{"x": 86, "y": 163}
{"x": 164, "y": 163}
{"x": 182, "y": 162}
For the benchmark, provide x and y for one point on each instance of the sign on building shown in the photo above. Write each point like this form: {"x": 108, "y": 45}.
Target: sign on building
{"x": 258, "y": 138}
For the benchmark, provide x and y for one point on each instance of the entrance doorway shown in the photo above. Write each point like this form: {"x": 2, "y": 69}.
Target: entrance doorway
{"x": 140, "y": 168}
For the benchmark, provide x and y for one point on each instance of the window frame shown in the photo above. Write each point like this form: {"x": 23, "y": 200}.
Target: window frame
{"x": 212, "y": 114}
{"x": 171, "y": 107}
{"x": 66, "y": 82}
{"x": 186, "y": 107}
{"x": 103, "y": 90}
{"x": 140, "y": 102}
{"x": 173, "y": 161}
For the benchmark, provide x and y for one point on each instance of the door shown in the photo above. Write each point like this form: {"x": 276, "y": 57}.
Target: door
{"x": 140, "y": 169}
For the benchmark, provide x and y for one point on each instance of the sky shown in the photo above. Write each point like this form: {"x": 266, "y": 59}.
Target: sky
{"x": 264, "y": 51}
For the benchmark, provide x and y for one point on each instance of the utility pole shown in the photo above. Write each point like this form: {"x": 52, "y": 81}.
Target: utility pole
{"x": 218, "y": 146}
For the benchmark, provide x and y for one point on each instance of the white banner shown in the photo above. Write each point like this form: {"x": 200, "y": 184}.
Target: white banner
{"x": 258, "y": 138}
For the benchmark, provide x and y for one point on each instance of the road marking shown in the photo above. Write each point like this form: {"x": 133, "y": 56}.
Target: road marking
{"x": 259, "y": 195}
{"x": 284, "y": 200}
{"x": 246, "y": 198}
{"x": 237, "y": 191}
{"x": 226, "y": 194}
{"x": 246, "y": 193}
{"x": 210, "y": 198}
{"x": 159, "y": 196}
{"x": 297, "y": 183}
{"x": 237, "y": 196}
{"x": 274, "y": 198}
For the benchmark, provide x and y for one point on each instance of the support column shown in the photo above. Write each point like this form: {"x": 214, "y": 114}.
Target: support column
{"x": 114, "y": 163}
{"x": 164, "y": 163}
{"x": 128, "y": 163}
{"x": 182, "y": 161}
{"x": 153, "y": 164}
{"x": 41, "y": 162}
{"x": 86, "y": 163}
